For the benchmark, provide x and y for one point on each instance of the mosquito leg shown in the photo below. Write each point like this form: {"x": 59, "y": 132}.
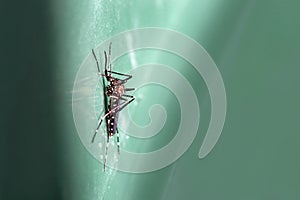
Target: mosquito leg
{"x": 98, "y": 68}
{"x": 100, "y": 122}
{"x": 96, "y": 61}
{"x": 121, "y": 74}
{"x": 96, "y": 131}
{"x": 116, "y": 109}
{"x": 109, "y": 49}
{"x": 109, "y": 55}
{"x": 129, "y": 89}
{"x": 126, "y": 95}
{"x": 122, "y": 106}
{"x": 127, "y": 75}
{"x": 118, "y": 141}
{"x": 105, "y": 66}
{"x": 106, "y": 153}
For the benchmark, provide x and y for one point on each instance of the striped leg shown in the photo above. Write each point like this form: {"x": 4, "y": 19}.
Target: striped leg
{"x": 118, "y": 141}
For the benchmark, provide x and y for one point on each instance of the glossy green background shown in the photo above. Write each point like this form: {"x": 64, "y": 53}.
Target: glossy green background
{"x": 256, "y": 47}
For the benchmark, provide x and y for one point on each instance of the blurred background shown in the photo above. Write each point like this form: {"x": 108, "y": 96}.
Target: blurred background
{"x": 255, "y": 45}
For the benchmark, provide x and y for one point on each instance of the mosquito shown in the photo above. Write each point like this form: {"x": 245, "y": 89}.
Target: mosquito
{"x": 114, "y": 97}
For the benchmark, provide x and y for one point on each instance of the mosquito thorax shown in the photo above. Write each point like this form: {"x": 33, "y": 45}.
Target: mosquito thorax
{"x": 120, "y": 89}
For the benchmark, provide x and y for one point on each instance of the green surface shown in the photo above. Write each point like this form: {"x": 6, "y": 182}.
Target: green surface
{"x": 255, "y": 45}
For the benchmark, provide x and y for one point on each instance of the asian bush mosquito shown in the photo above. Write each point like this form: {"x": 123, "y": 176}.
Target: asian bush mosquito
{"x": 114, "y": 98}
